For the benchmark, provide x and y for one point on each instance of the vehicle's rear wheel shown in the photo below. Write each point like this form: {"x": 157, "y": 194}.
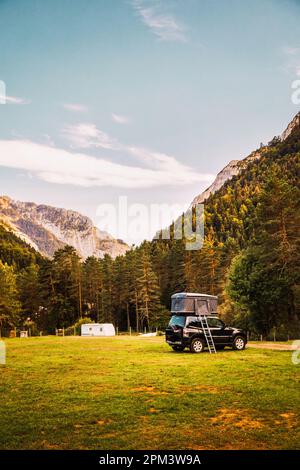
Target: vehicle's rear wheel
{"x": 197, "y": 345}
{"x": 239, "y": 343}
{"x": 178, "y": 348}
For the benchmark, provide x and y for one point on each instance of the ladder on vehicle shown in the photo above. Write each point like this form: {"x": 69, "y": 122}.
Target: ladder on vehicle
{"x": 207, "y": 334}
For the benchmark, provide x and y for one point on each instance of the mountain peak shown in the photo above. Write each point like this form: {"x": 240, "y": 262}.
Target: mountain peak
{"x": 48, "y": 228}
{"x": 295, "y": 122}
{"x": 235, "y": 166}
{"x": 226, "y": 173}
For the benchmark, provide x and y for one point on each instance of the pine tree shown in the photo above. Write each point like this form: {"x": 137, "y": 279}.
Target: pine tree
{"x": 10, "y": 306}
{"x": 62, "y": 287}
{"x": 122, "y": 285}
{"x": 28, "y": 286}
{"x": 264, "y": 280}
{"x": 149, "y": 292}
{"x": 92, "y": 287}
{"x": 107, "y": 302}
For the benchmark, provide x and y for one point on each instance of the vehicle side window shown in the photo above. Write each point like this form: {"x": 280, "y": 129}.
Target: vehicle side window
{"x": 193, "y": 322}
{"x": 214, "y": 323}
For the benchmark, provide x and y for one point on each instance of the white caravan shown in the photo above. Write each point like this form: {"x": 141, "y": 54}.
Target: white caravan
{"x": 98, "y": 329}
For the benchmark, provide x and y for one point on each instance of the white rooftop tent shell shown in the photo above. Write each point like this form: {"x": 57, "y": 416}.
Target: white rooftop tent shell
{"x": 98, "y": 329}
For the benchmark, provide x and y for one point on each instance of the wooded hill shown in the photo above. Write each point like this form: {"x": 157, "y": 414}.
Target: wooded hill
{"x": 250, "y": 259}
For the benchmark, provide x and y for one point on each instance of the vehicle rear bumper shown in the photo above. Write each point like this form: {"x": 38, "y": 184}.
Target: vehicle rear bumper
{"x": 174, "y": 343}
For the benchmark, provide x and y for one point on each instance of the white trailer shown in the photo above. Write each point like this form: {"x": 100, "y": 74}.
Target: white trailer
{"x": 98, "y": 329}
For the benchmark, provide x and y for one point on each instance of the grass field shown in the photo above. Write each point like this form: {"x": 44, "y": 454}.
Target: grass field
{"x": 136, "y": 393}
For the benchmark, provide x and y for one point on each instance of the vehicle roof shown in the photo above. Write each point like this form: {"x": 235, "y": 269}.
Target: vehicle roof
{"x": 193, "y": 294}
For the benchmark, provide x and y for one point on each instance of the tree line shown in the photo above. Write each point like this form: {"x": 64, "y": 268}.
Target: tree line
{"x": 59, "y": 292}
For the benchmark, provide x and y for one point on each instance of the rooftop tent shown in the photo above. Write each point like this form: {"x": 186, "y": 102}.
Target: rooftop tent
{"x": 98, "y": 329}
{"x": 193, "y": 303}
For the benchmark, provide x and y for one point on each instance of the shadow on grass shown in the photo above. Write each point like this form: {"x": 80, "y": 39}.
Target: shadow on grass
{"x": 186, "y": 351}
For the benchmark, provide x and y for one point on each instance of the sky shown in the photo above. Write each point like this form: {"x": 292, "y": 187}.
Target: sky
{"x": 140, "y": 99}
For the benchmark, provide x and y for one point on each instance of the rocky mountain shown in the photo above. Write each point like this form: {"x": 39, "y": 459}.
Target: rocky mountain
{"x": 235, "y": 166}
{"x": 292, "y": 125}
{"x": 48, "y": 228}
{"x": 225, "y": 174}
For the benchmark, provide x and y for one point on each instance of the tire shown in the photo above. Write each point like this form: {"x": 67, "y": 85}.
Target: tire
{"x": 197, "y": 345}
{"x": 178, "y": 348}
{"x": 239, "y": 343}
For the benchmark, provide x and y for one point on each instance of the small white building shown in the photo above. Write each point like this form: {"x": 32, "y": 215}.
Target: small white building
{"x": 98, "y": 329}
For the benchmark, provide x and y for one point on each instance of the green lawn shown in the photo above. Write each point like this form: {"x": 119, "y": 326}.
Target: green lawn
{"x": 136, "y": 393}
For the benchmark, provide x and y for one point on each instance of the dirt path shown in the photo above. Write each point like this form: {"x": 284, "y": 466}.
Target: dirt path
{"x": 275, "y": 346}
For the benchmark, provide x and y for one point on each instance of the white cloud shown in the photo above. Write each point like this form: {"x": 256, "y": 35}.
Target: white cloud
{"x": 77, "y": 108}
{"x": 291, "y": 60}
{"x": 86, "y": 135}
{"x": 290, "y": 50}
{"x": 119, "y": 119}
{"x": 60, "y": 166}
{"x": 156, "y": 160}
{"x": 13, "y": 100}
{"x": 164, "y": 26}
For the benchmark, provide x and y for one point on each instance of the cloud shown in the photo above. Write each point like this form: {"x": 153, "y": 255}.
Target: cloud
{"x": 55, "y": 165}
{"x": 86, "y": 135}
{"x": 290, "y": 50}
{"x": 164, "y": 26}
{"x": 77, "y": 108}
{"x": 156, "y": 160}
{"x": 119, "y": 119}
{"x": 292, "y": 60}
{"x": 13, "y": 100}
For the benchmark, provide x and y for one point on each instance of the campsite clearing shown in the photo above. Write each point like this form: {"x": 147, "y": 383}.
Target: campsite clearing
{"x": 135, "y": 393}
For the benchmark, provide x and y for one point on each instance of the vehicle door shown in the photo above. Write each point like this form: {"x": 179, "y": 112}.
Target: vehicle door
{"x": 192, "y": 326}
{"x": 218, "y": 331}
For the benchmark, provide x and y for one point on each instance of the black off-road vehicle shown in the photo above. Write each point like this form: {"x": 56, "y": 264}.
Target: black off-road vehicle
{"x": 186, "y": 330}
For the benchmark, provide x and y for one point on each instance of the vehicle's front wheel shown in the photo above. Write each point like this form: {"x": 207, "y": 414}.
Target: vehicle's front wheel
{"x": 178, "y": 348}
{"x": 239, "y": 343}
{"x": 197, "y": 345}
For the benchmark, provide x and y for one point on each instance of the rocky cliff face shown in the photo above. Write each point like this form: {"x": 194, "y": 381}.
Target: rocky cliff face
{"x": 49, "y": 228}
{"x": 235, "y": 166}
{"x": 292, "y": 125}
{"x": 230, "y": 170}
{"x": 225, "y": 174}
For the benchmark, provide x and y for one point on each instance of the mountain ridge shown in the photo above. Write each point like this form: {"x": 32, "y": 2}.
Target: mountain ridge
{"x": 47, "y": 228}
{"x": 234, "y": 167}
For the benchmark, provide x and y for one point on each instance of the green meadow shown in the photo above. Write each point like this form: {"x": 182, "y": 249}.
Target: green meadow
{"x": 136, "y": 393}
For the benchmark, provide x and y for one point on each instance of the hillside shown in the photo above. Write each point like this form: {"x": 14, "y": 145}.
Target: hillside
{"x": 232, "y": 169}
{"x": 48, "y": 229}
{"x": 15, "y": 251}
{"x": 230, "y": 211}
{"x": 236, "y": 166}
{"x": 255, "y": 212}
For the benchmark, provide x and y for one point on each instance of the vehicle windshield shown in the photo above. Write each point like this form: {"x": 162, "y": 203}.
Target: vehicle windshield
{"x": 177, "y": 320}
